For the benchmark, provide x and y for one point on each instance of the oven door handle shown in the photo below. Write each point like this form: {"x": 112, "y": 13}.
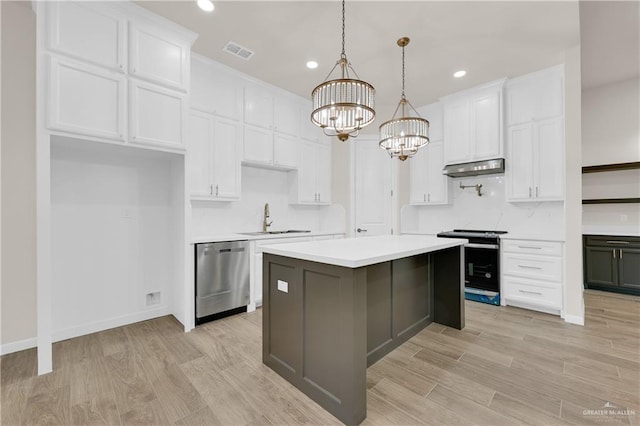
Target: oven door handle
{"x": 483, "y": 246}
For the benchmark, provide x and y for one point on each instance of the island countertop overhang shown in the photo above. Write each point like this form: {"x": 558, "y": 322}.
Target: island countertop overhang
{"x": 365, "y": 251}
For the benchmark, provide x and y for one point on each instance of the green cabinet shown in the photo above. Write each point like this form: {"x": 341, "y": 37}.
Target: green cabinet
{"x": 612, "y": 263}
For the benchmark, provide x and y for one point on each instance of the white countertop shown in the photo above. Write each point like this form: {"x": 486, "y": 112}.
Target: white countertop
{"x": 358, "y": 252}
{"x": 632, "y": 230}
{"x": 239, "y": 237}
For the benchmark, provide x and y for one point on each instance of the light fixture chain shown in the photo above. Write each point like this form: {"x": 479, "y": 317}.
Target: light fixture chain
{"x": 403, "y": 96}
{"x": 343, "y": 13}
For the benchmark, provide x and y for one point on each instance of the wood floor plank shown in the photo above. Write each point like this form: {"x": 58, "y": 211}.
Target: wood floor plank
{"x": 176, "y": 394}
{"x": 99, "y": 410}
{"x": 130, "y": 386}
{"x": 576, "y": 414}
{"x": 18, "y": 366}
{"x": 381, "y": 413}
{"x": 523, "y": 412}
{"x": 392, "y": 371}
{"x": 469, "y": 410}
{"x": 203, "y": 417}
{"x": 145, "y": 413}
{"x": 468, "y": 347}
{"x": 90, "y": 380}
{"x": 50, "y": 408}
{"x": 113, "y": 341}
{"x": 13, "y": 399}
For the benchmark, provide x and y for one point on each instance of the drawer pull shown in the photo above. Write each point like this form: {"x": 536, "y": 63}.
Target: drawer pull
{"x": 529, "y": 267}
{"x": 530, "y": 292}
{"x": 617, "y": 242}
{"x": 530, "y": 247}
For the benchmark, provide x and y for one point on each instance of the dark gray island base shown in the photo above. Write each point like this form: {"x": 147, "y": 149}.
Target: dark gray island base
{"x": 323, "y": 324}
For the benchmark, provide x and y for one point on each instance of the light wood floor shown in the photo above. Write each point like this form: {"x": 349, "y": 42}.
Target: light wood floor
{"x": 508, "y": 366}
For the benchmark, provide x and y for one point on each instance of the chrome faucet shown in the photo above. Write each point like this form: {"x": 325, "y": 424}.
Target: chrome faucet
{"x": 266, "y": 224}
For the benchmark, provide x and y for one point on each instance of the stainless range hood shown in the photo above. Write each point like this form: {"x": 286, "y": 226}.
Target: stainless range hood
{"x": 486, "y": 167}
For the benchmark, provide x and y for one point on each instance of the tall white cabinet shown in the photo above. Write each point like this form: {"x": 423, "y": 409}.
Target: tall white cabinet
{"x": 534, "y": 169}
{"x": 427, "y": 184}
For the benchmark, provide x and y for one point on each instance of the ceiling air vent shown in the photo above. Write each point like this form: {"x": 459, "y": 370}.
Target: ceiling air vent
{"x": 237, "y": 50}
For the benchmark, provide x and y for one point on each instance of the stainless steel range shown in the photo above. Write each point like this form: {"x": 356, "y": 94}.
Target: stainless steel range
{"x": 482, "y": 264}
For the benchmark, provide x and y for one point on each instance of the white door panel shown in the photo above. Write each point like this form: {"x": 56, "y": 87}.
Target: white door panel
{"x": 372, "y": 167}
{"x": 199, "y": 153}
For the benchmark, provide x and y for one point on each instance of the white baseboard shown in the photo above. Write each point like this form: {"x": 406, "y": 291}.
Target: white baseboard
{"x": 21, "y": 345}
{"x": 94, "y": 327}
{"x": 574, "y": 319}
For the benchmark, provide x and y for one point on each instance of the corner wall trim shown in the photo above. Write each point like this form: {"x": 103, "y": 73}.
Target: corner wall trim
{"x": 20, "y": 345}
{"x": 574, "y": 319}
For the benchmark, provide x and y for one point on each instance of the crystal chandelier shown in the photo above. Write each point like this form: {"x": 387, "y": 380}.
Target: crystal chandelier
{"x": 403, "y": 136}
{"x": 343, "y": 106}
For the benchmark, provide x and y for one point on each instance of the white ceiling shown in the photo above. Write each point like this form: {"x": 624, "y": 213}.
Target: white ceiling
{"x": 489, "y": 39}
{"x": 610, "y": 41}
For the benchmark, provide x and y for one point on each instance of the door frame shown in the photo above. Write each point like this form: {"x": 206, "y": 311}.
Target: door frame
{"x": 395, "y": 226}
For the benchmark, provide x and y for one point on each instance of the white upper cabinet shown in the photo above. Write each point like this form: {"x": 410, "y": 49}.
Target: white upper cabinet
{"x": 93, "y": 32}
{"x": 286, "y": 115}
{"x": 258, "y": 105}
{"x": 285, "y": 151}
{"x": 156, "y": 115}
{"x": 258, "y": 145}
{"x": 85, "y": 99}
{"x": 309, "y": 130}
{"x": 311, "y": 183}
{"x": 534, "y": 170}
{"x": 473, "y": 124}
{"x": 158, "y": 56}
{"x": 427, "y": 184}
{"x": 215, "y": 89}
{"x": 535, "y": 96}
{"x": 213, "y": 157}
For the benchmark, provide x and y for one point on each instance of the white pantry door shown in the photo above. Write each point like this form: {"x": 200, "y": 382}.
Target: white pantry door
{"x": 372, "y": 190}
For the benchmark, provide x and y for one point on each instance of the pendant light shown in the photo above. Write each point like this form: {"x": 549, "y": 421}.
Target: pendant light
{"x": 343, "y": 106}
{"x": 403, "y": 136}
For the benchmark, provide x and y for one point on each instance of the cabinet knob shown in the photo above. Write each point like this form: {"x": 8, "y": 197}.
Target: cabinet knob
{"x": 536, "y": 192}
{"x": 529, "y": 192}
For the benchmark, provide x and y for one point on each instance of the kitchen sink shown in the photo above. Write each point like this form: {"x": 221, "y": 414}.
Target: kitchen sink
{"x": 288, "y": 231}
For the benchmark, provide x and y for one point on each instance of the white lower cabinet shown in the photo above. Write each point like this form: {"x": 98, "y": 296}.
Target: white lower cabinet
{"x": 85, "y": 99}
{"x": 311, "y": 183}
{"x": 156, "y": 116}
{"x": 532, "y": 275}
{"x": 427, "y": 184}
{"x": 535, "y": 161}
{"x": 213, "y": 157}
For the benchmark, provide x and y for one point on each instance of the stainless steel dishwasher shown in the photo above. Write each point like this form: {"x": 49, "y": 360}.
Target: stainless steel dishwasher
{"x": 222, "y": 279}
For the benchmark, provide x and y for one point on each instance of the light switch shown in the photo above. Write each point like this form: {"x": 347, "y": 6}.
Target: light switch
{"x": 283, "y": 286}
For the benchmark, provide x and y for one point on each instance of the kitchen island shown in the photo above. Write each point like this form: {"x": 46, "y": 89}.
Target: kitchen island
{"x": 332, "y": 308}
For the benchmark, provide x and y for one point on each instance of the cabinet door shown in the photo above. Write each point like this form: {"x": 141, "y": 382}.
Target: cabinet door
{"x": 436, "y": 181}
{"x": 434, "y": 114}
{"x": 307, "y": 192}
{"x": 199, "y": 153}
{"x": 601, "y": 266}
{"x": 309, "y": 130}
{"x": 258, "y": 106}
{"x": 520, "y": 102}
{"x": 418, "y": 172}
{"x": 519, "y": 164}
{"x": 485, "y": 122}
{"x": 286, "y": 115}
{"x": 157, "y": 56}
{"x": 456, "y": 131}
{"x": 285, "y": 151}
{"x": 323, "y": 173}
{"x": 226, "y": 159}
{"x": 156, "y": 115}
{"x": 215, "y": 90}
{"x": 629, "y": 268}
{"x": 258, "y": 145}
{"x": 86, "y": 100}
{"x": 547, "y": 95}
{"x": 87, "y": 30}
{"x": 549, "y": 160}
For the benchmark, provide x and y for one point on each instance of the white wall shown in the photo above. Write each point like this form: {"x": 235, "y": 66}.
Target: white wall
{"x": 18, "y": 292}
{"x": 611, "y": 123}
{"x": 490, "y": 211}
{"x": 114, "y": 234}
{"x": 260, "y": 186}
{"x": 611, "y": 134}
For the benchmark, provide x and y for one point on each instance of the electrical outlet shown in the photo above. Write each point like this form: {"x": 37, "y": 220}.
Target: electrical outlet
{"x": 153, "y": 298}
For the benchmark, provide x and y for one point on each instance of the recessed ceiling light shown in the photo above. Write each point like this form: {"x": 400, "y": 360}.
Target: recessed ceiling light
{"x": 206, "y": 5}
{"x": 459, "y": 74}
{"x": 312, "y": 65}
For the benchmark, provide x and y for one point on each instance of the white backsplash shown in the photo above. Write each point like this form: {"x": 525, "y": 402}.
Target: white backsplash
{"x": 488, "y": 212}
{"x": 260, "y": 186}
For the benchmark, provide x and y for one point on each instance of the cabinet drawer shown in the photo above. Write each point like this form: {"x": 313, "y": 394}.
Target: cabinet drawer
{"x": 522, "y": 290}
{"x": 268, "y": 242}
{"x": 612, "y": 241}
{"x": 534, "y": 267}
{"x": 546, "y": 248}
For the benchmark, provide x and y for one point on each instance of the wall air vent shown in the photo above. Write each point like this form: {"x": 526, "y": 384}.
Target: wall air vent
{"x": 237, "y": 50}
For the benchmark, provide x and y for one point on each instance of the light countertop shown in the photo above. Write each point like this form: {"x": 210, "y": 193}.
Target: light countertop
{"x": 358, "y": 252}
{"x": 239, "y": 237}
{"x": 632, "y": 230}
